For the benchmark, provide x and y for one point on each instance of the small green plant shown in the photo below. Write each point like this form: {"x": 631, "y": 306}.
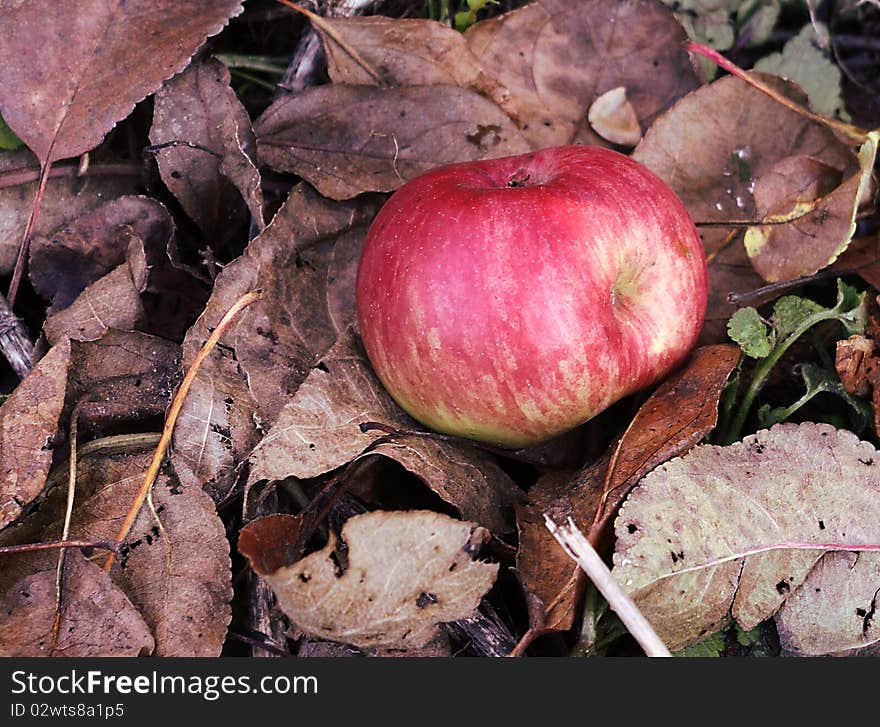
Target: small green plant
{"x": 463, "y": 18}
{"x": 768, "y": 340}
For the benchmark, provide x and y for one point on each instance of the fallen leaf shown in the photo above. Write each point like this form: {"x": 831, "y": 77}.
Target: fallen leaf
{"x": 346, "y": 140}
{"x": 710, "y": 536}
{"x": 319, "y": 429}
{"x": 304, "y": 262}
{"x": 742, "y": 135}
{"x": 863, "y": 258}
{"x": 88, "y": 247}
{"x": 459, "y": 474}
{"x": 96, "y": 617}
{"x": 682, "y": 411}
{"x": 217, "y": 183}
{"x": 112, "y": 301}
{"x": 68, "y": 74}
{"x": 810, "y": 624}
{"x": 402, "y": 574}
{"x": 28, "y": 422}
{"x": 614, "y": 119}
{"x": 66, "y": 198}
{"x": 820, "y": 231}
{"x": 404, "y": 52}
{"x": 803, "y": 61}
{"x": 854, "y": 362}
{"x": 270, "y": 542}
{"x": 178, "y": 577}
{"x": 556, "y": 59}
{"x": 676, "y": 416}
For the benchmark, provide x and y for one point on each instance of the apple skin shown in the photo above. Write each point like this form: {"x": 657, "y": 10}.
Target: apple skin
{"x": 512, "y": 299}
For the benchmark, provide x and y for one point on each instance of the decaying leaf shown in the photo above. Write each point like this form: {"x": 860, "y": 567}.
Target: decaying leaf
{"x": 734, "y": 531}
{"x": 406, "y": 51}
{"x": 403, "y": 573}
{"x": 69, "y": 73}
{"x": 177, "y": 577}
{"x": 675, "y": 417}
{"x": 742, "y": 135}
{"x": 459, "y": 474}
{"x": 319, "y": 428}
{"x": 304, "y": 263}
{"x": 346, "y": 140}
{"x": 555, "y": 60}
{"x": 67, "y": 197}
{"x": 217, "y": 183}
{"x": 96, "y": 617}
{"x": 112, "y": 301}
{"x": 821, "y": 226}
{"x": 28, "y": 423}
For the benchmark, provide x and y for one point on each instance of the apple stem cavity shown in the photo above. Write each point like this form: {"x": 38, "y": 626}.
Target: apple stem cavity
{"x": 856, "y": 134}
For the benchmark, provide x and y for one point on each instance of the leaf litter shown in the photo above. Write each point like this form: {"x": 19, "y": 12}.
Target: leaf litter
{"x": 285, "y": 416}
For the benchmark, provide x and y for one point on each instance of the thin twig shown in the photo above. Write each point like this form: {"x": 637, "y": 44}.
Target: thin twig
{"x": 21, "y": 261}
{"x": 174, "y": 412}
{"x": 17, "y": 348}
{"x": 19, "y": 177}
{"x": 580, "y": 550}
{"x": 31, "y": 547}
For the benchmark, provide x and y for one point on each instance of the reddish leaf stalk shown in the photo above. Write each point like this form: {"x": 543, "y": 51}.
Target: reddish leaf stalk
{"x": 21, "y": 261}
{"x": 860, "y": 136}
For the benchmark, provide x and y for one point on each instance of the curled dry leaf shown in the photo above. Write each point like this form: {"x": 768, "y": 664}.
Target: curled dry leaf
{"x": 459, "y": 474}
{"x": 96, "y": 617}
{"x": 821, "y": 227}
{"x": 67, "y": 196}
{"x": 346, "y": 140}
{"x": 178, "y": 577}
{"x": 715, "y": 178}
{"x": 403, "y": 573}
{"x": 217, "y": 184}
{"x": 319, "y": 429}
{"x": 555, "y": 60}
{"x": 62, "y": 91}
{"x": 304, "y": 262}
{"x": 28, "y": 423}
{"x": 112, "y": 301}
{"x": 710, "y": 536}
{"x": 682, "y": 411}
{"x": 614, "y": 119}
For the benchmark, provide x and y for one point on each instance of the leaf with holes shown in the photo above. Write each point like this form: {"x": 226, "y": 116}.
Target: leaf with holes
{"x": 750, "y": 531}
{"x": 388, "y": 580}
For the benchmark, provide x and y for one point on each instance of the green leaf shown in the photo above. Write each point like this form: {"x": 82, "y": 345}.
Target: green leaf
{"x": 750, "y": 331}
{"x": 789, "y": 312}
{"x": 8, "y": 140}
{"x": 711, "y": 646}
{"x": 851, "y": 308}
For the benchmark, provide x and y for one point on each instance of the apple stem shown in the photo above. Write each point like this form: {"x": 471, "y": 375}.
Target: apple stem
{"x": 858, "y": 135}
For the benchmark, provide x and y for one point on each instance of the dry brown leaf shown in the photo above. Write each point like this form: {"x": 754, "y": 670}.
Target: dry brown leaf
{"x": 676, "y": 416}
{"x": 112, "y": 301}
{"x": 742, "y": 135}
{"x": 346, "y": 140}
{"x": 28, "y": 423}
{"x": 404, "y": 52}
{"x": 218, "y": 183}
{"x": 66, "y": 198}
{"x": 403, "y": 573}
{"x": 178, "y": 579}
{"x": 710, "y": 536}
{"x": 270, "y": 542}
{"x": 822, "y": 227}
{"x": 69, "y": 73}
{"x": 96, "y": 617}
{"x": 460, "y": 475}
{"x": 88, "y": 247}
{"x": 319, "y": 429}
{"x": 556, "y": 58}
{"x": 304, "y": 262}
{"x": 854, "y": 361}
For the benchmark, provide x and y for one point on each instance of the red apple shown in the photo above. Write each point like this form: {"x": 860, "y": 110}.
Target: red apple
{"x": 509, "y": 300}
